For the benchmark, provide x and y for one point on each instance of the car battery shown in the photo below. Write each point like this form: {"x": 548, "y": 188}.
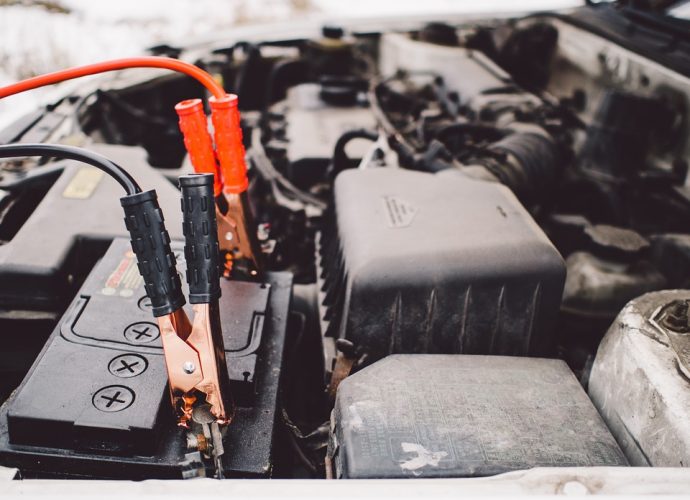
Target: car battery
{"x": 96, "y": 401}
{"x": 56, "y": 221}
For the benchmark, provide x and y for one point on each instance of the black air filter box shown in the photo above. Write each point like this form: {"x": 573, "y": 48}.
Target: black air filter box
{"x": 465, "y": 416}
{"x": 436, "y": 263}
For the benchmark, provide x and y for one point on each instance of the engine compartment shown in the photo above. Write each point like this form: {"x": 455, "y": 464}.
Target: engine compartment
{"x": 451, "y": 219}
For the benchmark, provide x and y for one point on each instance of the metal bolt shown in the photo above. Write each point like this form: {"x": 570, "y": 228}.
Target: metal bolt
{"x": 675, "y": 316}
{"x": 188, "y": 367}
{"x": 228, "y": 236}
{"x": 346, "y": 347}
{"x": 201, "y": 414}
{"x": 263, "y": 231}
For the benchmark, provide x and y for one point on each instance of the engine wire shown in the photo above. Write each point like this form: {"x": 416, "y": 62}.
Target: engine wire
{"x": 72, "y": 153}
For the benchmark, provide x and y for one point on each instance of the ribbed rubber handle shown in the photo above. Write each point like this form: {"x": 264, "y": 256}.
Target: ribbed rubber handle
{"x": 201, "y": 237}
{"x": 151, "y": 244}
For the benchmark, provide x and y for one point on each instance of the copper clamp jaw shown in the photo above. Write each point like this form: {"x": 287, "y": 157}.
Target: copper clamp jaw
{"x": 235, "y": 223}
{"x": 195, "y": 360}
{"x": 194, "y": 351}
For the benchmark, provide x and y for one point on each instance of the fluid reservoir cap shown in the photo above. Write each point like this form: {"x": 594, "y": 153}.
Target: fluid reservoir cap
{"x": 341, "y": 91}
{"x": 332, "y": 31}
{"x": 615, "y": 241}
{"x": 439, "y": 34}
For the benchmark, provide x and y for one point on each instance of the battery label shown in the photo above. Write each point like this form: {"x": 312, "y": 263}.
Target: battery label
{"x": 125, "y": 279}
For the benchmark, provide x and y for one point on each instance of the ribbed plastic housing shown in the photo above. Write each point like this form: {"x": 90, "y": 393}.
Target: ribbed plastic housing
{"x": 424, "y": 263}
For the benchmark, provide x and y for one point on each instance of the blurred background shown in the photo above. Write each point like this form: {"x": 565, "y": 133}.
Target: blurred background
{"x": 38, "y": 36}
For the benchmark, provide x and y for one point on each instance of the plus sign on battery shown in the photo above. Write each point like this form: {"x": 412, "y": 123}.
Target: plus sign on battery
{"x": 113, "y": 398}
{"x": 141, "y": 332}
{"x": 127, "y": 365}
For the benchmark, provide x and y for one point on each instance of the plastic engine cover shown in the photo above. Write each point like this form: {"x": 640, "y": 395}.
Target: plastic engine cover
{"x": 311, "y": 127}
{"x": 425, "y": 263}
{"x": 464, "y": 416}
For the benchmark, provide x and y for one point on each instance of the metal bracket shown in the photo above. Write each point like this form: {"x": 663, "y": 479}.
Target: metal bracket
{"x": 665, "y": 320}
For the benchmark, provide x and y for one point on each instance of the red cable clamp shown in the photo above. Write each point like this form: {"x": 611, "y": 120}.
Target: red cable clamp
{"x": 197, "y": 140}
{"x": 229, "y": 148}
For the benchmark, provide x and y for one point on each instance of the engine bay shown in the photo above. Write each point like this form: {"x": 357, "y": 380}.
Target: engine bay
{"x": 459, "y": 250}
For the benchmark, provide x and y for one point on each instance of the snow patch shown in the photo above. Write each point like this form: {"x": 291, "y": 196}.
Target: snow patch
{"x": 34, "y": 40}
